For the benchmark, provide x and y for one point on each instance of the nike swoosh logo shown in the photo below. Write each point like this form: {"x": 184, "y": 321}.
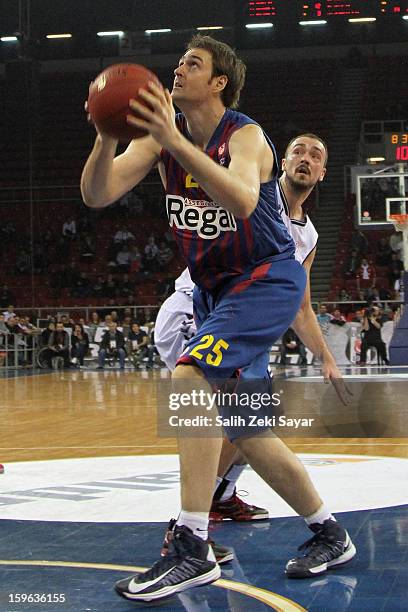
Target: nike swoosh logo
{"x": 136, "y": 587}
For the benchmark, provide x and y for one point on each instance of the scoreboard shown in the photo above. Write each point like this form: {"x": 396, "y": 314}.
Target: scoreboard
{"x": 396, "y": 147}
{"x": 258, "y": 10}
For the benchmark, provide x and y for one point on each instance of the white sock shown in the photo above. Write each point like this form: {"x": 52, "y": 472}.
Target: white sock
{"x": 198, "y": 523}
{"x": 218, "y": 482}
{"x": 232, "y": 476}
{"x": 321, "y": 515}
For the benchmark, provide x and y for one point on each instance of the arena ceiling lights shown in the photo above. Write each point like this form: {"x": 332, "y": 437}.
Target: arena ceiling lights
{"x": 113, "y": 33}
{"x": 158, "y": 31}
{"x": 258, "y": 26}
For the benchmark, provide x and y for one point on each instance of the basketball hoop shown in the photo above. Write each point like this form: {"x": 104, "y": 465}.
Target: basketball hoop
{"x": 400, "y": 223}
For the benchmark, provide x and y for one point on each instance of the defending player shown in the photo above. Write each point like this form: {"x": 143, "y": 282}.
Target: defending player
{"x": 303, "y": 166}
{"x": 219, "y": 172}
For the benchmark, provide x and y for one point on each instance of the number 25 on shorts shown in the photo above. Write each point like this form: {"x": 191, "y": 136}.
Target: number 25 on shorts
{"x": 214, "y": 357}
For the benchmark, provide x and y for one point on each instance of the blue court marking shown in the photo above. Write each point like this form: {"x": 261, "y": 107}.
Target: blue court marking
{"x": 377, "y": 579}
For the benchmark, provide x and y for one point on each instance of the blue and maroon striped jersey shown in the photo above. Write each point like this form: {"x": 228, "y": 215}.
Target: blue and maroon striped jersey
{"x": 216, "y": 246}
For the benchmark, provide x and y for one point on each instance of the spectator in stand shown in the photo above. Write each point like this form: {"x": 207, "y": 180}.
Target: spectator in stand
{"x": 396, "y": 244}
{"x": 383, "y": 252}
{"x": 373, "y": 295}
{"x": 395, "y": 267}
{"x": 123, "y": 235}
{"x": 87, "y": 247}
{"x": 359, "y": 242}
{"x": 151, "y": 252}
{"x": 138, "y": 347}
{"x": 323, "y": 318}
{"x": 112, "y": 345}
{"x": 6, "y": 297}
{"x": 371, "y": 335}
{"x": 338, "y": 318}
{"x": 15, "y": 339}
{"x": 358, "y": 316}
{"x": 4, "y": 332}
{"x": 126, "y": 326}
{"x": 164, "y": 255}
{"x": 291, "y": 344}
{"x": 366, "y": 277}
{"x": 344, "y": 296}
{"x": 46, "y": 333}
{"x": 69, "y": 229}
{"x": 106, "y": 321}
{"x": 109, "y": 288}
{"x": 399, "y": 287}
{"x": 23, "y": 262}
{"x": 29, "y": 327}
{"x": 93, "y": 324}
{"x": 123, "y": 258}
{"x": 59, "y": 343}
{"x": 9, "y": 313}
{"x": 115, "y": 316}
{"x": 352, "y": 263}
{"x": 67, "y": 321}
{"x": 148, "y": 318}
{"x": 79, "y": 344}
{"x": 136, "y": 265}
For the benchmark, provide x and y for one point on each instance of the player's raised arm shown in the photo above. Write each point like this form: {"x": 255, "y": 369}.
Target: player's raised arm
{"x": 235, "y": 188}
{"x": 105, "y": 178}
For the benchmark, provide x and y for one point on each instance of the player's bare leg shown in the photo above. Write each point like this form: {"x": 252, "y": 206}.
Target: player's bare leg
{"x": 226, "y": 503}
{"x": 190, "y": 560}
{"x": 199, "y": 457}
{"x": 281, "y": 469}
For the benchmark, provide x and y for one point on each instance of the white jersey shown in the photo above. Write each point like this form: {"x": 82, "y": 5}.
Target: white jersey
{"x": 174, "y": 324}
{"x": 304, "y": 233}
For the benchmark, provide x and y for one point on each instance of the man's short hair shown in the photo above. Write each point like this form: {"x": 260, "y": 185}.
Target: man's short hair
{"x": 309, "y": 135}
{"x": 225, "y": 62}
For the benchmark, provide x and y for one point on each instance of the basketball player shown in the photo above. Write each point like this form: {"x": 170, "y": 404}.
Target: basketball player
{"x": 175, "y": 323}
{"x": 219, "y": 171}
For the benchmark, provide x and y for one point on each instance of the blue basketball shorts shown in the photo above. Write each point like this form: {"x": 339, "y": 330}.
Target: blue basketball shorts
{"x": 237, "y": 327}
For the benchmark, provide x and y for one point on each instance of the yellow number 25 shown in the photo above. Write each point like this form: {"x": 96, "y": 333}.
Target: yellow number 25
{"x": 214, "y": 357}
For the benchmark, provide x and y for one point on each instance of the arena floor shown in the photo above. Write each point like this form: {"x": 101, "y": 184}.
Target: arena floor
{"x": 89, "y": 486}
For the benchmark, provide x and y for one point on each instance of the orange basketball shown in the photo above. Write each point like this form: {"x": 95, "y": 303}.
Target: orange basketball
{"x": 109, "y": 95}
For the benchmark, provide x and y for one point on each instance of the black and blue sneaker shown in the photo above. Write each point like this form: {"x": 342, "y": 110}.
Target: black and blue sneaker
{"x": 184, "y": 566}
{"x": 223, "y": 554}
{"x": 329, "y": 548}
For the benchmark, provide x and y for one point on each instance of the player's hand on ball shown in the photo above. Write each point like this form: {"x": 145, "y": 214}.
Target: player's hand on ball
{"x": 91, "y": 121}
{"x": 158, "y": 118}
